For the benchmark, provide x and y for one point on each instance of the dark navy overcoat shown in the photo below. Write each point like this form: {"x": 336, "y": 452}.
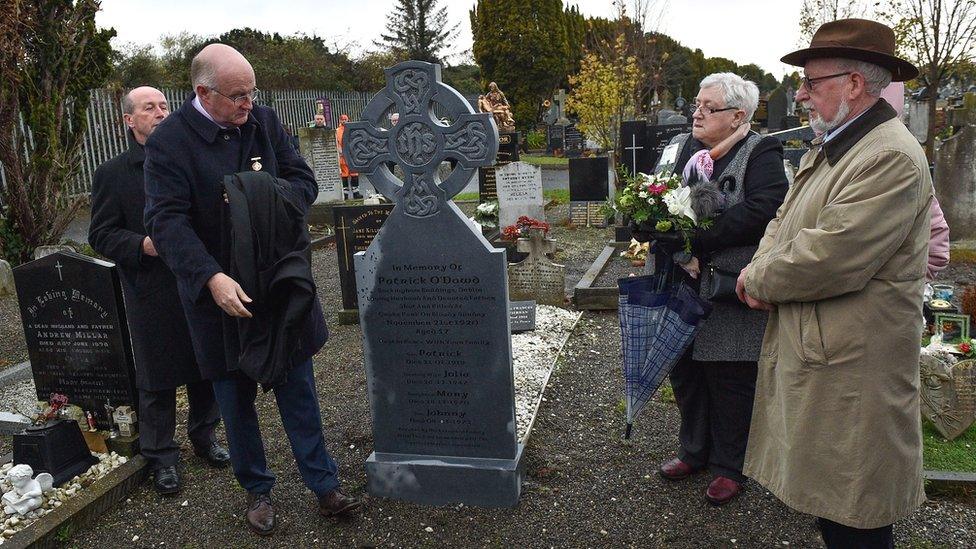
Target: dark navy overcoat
{"x": 161, "y": 345}
{"x": 187, "y": 157}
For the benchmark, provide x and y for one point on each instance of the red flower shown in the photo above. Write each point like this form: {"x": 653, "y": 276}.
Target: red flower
{"x": 965, "y": 348}
{"x": 657, "y": 189}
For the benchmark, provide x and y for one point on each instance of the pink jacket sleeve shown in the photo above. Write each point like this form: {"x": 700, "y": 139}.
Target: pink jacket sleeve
{"x": 938, "y": 243}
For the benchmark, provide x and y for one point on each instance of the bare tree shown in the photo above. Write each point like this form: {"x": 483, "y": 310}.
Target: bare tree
{"x": 939, "y": 36}
{"x": 814, "y": 13}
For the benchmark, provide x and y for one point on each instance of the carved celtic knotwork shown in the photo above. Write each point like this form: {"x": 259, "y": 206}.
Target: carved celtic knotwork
{"x": 416, "y": 143}
{"x": 470, "y": 141}
{"x": 364, "y": 147}
{"x": 412, "y": 86}
{"x": 420, "y": 200}
{"x": 419, "y": 143}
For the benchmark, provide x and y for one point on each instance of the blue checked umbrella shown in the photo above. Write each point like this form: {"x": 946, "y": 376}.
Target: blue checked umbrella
{"x": 658, "y": 321}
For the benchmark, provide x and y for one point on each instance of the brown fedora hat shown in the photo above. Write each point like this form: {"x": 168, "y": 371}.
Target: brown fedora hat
{"x": 859, "y": 39}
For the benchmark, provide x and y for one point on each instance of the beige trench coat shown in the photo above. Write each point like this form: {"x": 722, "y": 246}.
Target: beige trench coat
{"x": 836, "y": 430}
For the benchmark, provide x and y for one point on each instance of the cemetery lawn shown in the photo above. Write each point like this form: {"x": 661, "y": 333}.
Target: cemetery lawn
{"x": 945, "y": 455}
{"x": 547, "y": 161}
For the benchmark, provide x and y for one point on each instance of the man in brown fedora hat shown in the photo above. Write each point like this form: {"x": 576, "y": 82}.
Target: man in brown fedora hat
{"x": 836, "y": 429}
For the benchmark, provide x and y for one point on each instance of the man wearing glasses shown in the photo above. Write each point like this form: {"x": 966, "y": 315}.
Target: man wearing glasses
{"x": 218, "y": 132}
{"x": 836, "y": 428}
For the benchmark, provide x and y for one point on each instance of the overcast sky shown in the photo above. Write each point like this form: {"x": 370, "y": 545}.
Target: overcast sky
{"x": 746, "y": 31}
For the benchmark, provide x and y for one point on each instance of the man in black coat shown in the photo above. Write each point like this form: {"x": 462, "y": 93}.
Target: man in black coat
{"x": 160, "y": 340}
{"x": 217, "y": 132}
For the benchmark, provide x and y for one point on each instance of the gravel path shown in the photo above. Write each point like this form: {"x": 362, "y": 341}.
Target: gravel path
{"x": 585, "y": 486}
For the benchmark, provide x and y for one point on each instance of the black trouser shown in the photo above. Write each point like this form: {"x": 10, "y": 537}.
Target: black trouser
{"x": 838, "y": 536}
{"x": 715, "y": 401}
{"x": 157, "y": 422}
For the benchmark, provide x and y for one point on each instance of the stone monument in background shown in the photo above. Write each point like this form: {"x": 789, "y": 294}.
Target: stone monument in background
{"x": 433, "y": 305}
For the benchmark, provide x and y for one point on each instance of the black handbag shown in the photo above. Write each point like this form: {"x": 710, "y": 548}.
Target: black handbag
{"x": 718, "y": 285}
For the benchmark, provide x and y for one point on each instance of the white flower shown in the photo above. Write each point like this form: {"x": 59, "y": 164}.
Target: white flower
{"x": 642, "y": 194}
{"x": 678, "y": 202}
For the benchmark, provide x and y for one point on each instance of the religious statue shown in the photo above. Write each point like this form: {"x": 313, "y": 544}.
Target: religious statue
{"x": 495, "y": 103}
{"x": 27, "y": 493}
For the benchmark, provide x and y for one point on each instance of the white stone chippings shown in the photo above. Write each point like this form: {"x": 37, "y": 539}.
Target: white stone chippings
{"x": 533, "y": 354}
{"x": 10, "y": 525}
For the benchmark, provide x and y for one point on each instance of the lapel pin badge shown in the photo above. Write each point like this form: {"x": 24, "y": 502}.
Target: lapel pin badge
{"x": 256, "y": 163}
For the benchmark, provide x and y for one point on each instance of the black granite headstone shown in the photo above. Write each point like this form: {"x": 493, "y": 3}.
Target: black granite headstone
{"x": 355, "y": 226}
{"x": 658, "y": 138}
{"x": 487, "y": 184}
{"x": 635, "y": 155}
{"x": 522, "y": 316}
{"x": 589, "y": 179}
{"x": 508, "y": 146}
{"x": 57, "y": 447}
{"x": 573, "y": 140}
{"x": 77, "y": 337}
{"x": 555, "y": 134}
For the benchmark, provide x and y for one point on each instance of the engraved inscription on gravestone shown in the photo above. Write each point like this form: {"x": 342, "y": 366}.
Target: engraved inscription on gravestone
{"x": 433, "y": 306}
{"x": 76, "y": 333}
{"x": 355, "y": 226}
{"x": 522, "y": 314}
{"x": 573, "y": 141}
{"x": 487, "y": 184}
{"x": 319, "y": 149}
{"x": 948, "y": 394}
{"x": 659, "y": 136}
{"x": 519, "y": 187}
{"x": 536, "y": 277}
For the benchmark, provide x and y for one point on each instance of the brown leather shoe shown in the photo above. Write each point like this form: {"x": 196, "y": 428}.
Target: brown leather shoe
{"x": 722, "y": 490}
{"x": 676, "y": 470}
{"x": 260, "y": 515}
{"x": 336, "y": 503}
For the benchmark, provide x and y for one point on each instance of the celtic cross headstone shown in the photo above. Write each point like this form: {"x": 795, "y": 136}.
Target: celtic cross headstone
{"x": 433, "y": 304}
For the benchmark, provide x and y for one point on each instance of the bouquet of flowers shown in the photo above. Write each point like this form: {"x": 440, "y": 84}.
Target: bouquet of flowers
{"x": 487, "y": 214}
{"x": 522, "y": 227}
{"x": 659, "y": 200}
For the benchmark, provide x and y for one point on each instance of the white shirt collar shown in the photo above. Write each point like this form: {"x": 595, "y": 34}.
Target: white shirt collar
{"x": 836, "y": 131}
{"x": 203, "y": 111}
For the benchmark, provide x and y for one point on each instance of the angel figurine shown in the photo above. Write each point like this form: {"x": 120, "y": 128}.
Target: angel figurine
{"x": 28, "y": 493}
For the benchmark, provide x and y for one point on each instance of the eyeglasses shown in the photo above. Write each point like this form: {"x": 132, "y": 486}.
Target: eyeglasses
{"x": 707, "y": 111}
{"x": 238, "y": 100}
{"x": 809, "y": 83}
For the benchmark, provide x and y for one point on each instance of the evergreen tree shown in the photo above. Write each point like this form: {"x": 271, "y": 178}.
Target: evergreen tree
{"x": 418, "y": 30}
{"x": 528, "y": 47}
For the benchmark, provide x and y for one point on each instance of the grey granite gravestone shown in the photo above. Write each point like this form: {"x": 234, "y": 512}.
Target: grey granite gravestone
{"x": 777, "y": 107}
{"x": 955, "y": 182}
{"x": 76, "y": 333}
{"x": 319, "y": 149}
{"x": 519, "y": 187}
{"x": 6, "y": 279}
{"x": 536, "y": 277}
{"x": 433, "y": 306}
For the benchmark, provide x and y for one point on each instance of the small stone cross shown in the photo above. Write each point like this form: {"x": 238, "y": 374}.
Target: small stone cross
{"x": 633, "y": 148}
{"x": 536, "y": 245}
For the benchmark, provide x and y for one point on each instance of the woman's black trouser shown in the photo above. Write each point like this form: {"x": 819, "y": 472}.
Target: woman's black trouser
{"x": 715, "y": 400}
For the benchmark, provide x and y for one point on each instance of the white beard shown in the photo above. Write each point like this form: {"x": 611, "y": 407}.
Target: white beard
{"x": 821, "y": 126}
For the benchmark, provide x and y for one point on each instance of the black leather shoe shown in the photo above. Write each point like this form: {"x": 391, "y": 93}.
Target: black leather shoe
{"x": 216, "y": 455}
{"x": 260, "y": 515}
{"x": 336, "y": 503}
{"x": 167, "y": 481}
